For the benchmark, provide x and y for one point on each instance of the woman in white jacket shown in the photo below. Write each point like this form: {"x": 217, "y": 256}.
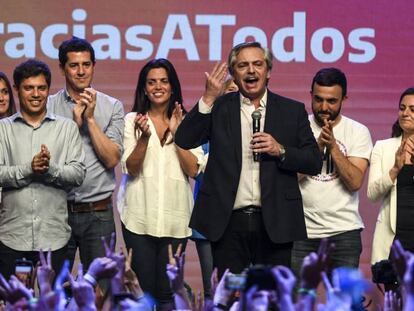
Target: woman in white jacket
{"x": 391, "y": 181}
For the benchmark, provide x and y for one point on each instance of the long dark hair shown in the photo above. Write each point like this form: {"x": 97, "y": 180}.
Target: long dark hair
{"x": 397, "y": 131}
{"x": 12, "y": 106}
{"x": 141, "y": 101}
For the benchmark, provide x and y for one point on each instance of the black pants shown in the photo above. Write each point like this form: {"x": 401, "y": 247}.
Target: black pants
{"x": 245, "y": 242}
{"x": 149, "y": 262}
{"x": 206, "y": 264}
{"x": 8, "y": 257}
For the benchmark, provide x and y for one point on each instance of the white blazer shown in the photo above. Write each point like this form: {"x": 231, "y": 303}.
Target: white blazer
{"x": 381, "y": 187}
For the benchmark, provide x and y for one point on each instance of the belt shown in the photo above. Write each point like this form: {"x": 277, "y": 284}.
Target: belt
{"x": 251, "y": 209}
{"x": 97, "y": 206}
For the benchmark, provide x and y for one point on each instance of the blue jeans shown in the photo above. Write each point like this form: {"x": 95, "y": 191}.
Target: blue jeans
{"x": 348, "y": 248}
{"x": 87, "y": 230}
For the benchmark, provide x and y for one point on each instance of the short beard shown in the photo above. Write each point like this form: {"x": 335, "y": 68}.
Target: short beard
{"x": 332, "y": 117}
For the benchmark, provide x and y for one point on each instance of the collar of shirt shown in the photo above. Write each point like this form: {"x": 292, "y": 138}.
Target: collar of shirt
{"x": 247, "y": 101}
{"x": 67, "y": 96}
{"x": 18, "y": 116}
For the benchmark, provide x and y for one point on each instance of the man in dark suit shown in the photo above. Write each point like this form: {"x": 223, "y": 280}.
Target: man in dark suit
{"x": 250, "y": 210}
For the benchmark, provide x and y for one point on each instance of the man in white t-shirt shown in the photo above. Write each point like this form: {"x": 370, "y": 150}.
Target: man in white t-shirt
{"x": 330, "y": 199}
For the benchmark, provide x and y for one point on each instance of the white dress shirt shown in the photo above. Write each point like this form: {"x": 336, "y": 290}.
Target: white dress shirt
{"x": 159, "y": 201}
{"x": 248, "y": 191}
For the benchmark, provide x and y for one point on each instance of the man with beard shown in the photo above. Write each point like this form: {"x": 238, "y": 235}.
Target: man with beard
{"x": 330, "y": 199}
{"x": 250, "y": 210}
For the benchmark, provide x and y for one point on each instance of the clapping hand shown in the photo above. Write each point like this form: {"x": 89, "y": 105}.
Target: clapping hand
{"x": 88, "y": 99}
{"x": 40, "y": 162}
{"x": 141, "y": 123}
{"x": 77, "y": 112}
{"x": 176, "y": 118}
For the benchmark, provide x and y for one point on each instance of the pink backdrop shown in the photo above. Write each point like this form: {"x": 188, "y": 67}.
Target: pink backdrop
{"x": 371, "y": 41}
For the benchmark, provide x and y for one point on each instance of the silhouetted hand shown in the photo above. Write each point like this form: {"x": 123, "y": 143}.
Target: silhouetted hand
{"x": 314, "y": 264}
{"x": 82, "y": 291}
{"x": 14, "y": 290}
{"x": 175, "y": 269}
{"x": 45, "y": 272}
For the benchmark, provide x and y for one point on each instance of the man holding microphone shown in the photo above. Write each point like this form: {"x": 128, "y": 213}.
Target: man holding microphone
{"x": 250, "y": 210}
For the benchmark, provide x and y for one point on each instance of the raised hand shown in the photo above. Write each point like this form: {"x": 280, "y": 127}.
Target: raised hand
{"x": 222, "y": 295}
{"x": 109, "y": 248}
{"x": 285, "y": 280}
{"x": 117, "y": 260}
{"x": 58, "y": 288}
{"x": 409, "y": 279}
{"x": 198, "y": 302}
{"x": 130, "y": 278}
{"x": 214, "y": 83}
{"x": 45, "y": 272}
{"x": 175, "y": 269}
{"x": 391, "y": 301}
{"x": 117, "y": 281}
{"x": 314, "y": 264}
{"x": 399, "y": 258}
{"x": 175, "y": 273}
{"x": 409, "y": 285}
{"x": 14, "y": 290}
{"x": 214, "y": 281}
{"x": 102, "y": 267}
{"x": 82, "y": 291}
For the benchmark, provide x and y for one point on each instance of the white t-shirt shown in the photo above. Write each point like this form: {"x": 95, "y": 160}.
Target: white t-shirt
{"x": 159, "y": 201}
{"x": 330, "y": 208}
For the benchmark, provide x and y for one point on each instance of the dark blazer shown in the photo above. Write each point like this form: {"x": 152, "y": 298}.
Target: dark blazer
{"x": 282, "y": 210}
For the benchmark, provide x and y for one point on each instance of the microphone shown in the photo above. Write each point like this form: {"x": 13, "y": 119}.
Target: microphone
{"x": 256, "y": 116}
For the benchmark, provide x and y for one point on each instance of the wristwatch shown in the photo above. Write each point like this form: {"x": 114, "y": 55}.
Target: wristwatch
{"x": 282, "y": 153}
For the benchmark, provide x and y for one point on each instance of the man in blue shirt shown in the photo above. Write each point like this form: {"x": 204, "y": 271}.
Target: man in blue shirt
{"x": 41, "y": 159}
{"x": 101, "y": 124}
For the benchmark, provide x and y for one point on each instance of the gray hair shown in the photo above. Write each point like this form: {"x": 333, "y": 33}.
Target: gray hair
{"x": 236, "y": 50}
